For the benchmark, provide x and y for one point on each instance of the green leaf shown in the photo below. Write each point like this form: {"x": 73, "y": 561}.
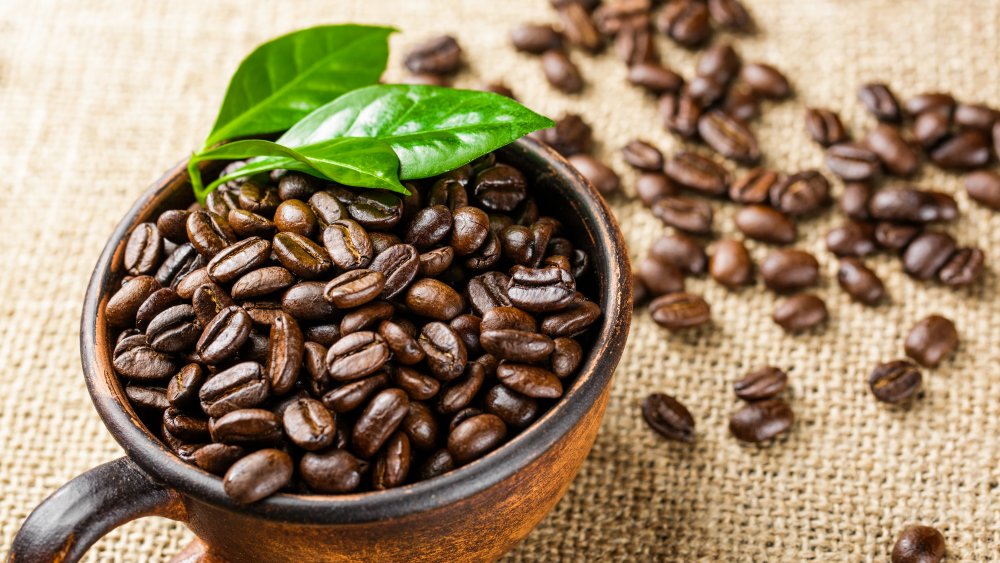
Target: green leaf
{"x": 352, "y": 161}
{"x": 431, "y": 129}
{"x": 286, "y": 78}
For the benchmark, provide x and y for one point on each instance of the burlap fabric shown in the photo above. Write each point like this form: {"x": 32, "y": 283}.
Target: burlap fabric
{"x": 98, "y": 98}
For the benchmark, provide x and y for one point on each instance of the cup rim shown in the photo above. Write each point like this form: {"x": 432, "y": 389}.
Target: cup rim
{"x": 594, "y": 377}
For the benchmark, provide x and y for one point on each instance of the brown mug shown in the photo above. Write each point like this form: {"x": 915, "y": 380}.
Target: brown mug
{"x": 475, "y": 512}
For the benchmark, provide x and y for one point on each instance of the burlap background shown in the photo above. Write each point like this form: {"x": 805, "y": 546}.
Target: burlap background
{"x": 98, "y": 98}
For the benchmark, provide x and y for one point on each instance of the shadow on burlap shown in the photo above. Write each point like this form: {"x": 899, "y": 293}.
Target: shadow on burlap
{"x": 99, "y": 97}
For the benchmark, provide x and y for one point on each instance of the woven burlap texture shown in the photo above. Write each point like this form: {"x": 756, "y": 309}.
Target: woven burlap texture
{"x": 98, "y": 98}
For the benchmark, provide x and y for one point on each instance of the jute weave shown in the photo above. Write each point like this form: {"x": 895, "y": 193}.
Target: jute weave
{"x": 98, "y": 98}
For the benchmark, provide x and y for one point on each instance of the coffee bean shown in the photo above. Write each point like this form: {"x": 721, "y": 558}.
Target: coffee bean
{"x": 983, "y": 186}
{"x": 468, "y": 328}
{"x": 895, "y": 382}
{"x": 698, "y": 173}
{"x": 262, "y": 281}
{"x": 686, "y": 214}
{"x": 434, "y": 299}
{"x": 680, "y": 251}
{"x": 761, "y": 421}
{"x": 224, "y": 200}
{"x": 123, "y": 306}
{"x": 393, "y": 464}
{"x": 931, "y": 340}
{"x": 133, "y": 359}
{"x": 295, "y": 216}
{"x": 439, "y": 55}
{"x": 242, "y": 386}
{"x": 486, "y": 256}
{"x": 859, "y": 281}
{"x": 399, "y": 265}
{"x": 285, "y": 357}
{"x": 800, "y": 312}
{"x": 351, "y": 396}
{"x": 504, "y": 318}
{"x": 487, "y": 291}
{"x": 540, "y": 289}
{"x": 966, "y": 150}
{"x": 475, "y": 437}
{"x": 905, "y": 204}
{"x": 730, "y": 14}
{"x": 185, "y": 427}
{"x": 143, "y": 250}
{"x": 333, "y": 471}
{"x": 963, "y": 268}
{"x": 446, "y": 353}
{"x": 930, "y": 128}
{"x": 561, "y": 72}
{"x": 651, "y": 186}
{"x": 249, "y": 224}
{"x": 679, "y": 114}
{"x": 741, "y": 102}
{"x": 686, "y": 22}
{"x": 766, "y": 224}
{"x": 678, "y": 311}
{"x": 209, "y": 233}
{"x": 404, "y": 347}
{"x": 305, "y": 301}
{"x": 295, "y": 186}
{"x": 852, "y": 161}
{"x": 578, "y": 27}
{"x": 927, "y": 254}
{"x": 436, "y": 261}
{"x": 705, "y": 91}
{"x": 152, "y": 398}
{"x": 356, "y": 355}
{"x": 643, "y": 156}
{"x": 919, "y": 544}
{"x": 187, "y": 285}
{"x": 238, "y": 258}
{"x": 720, "y": 62}
{"x": 655, "y": 78}
{"x": 975, "y": 116}
{"x": 366, "y": 317}
{"x": 182, "y": 391}
{"x": 535, "y": 39}
{"x": 517, "y": 345}
{"x": 762, "y": 383}
{"x": 300, "y": 255}
{"x": 308, "y": 424}
{"x": 459, "y": 393}
{"x": 766, "y": 80}
{"x": 514, "y": 409}
{"x": 217, "y": 458}
{"x": 892, "y": 236}
{"x": 753, "y": 187}
{"x": 825, "y": 127}
{"x": 258, "y": 475}
{"x": 223, "y": 335}
{"x": 788, "y": 270}
{"x": 566, "y": 357}
{"x": 429, "y": 227}
{"x": 731, "y": 264}
{"x": 378, "y": 421}
{"x": 893, "y": 151}
{"x": 172, "y": 225}
{"x": 178, "y": 264}
{"x": 327, "y": 208}
{"x": 729, "y": 137}
{"x": 500, "y": 187}
{"x": 246, "y": 427}
{"x": 668, "y": 417}
{"x": 354, "y": 288}
{"x": 173, "y": 330}
{"x": 937, "y": 102}
{"x": 208, "y": 301}
{"x": 348, "y": 244}
{"x": 418, "y": 387}
{"x": 600, "y": 175}
{"x": 851, "y": 239}
{"x": 573, "y": 320}
{"x": 854, "y": 200}
{"x": 420, "y": 426}
{"x": 469, "y": 230}
{"x": 880, "y": 101}
{"x": 258, "y": 198}
{"x": 571, "y": 135}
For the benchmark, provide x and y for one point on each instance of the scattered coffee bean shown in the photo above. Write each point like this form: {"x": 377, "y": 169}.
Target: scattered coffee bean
{"x": 919, "y": 544}
{"x": 679, "y": 114}
{"x": 895, "y": 237}
{"x": 762, "y": 383}
{"x": 678, "y": 311}
{"x": 600, "y": 175}
{"x": 655, "y": 78}
{"x": 440, "y": 55}
{"x": 731, "y": 264}
{"x": 963, "y": 268}
{"x": 561, "y": 72}
{"x": 975, "y": 116}
{"x": 766, "y": 80}
{"x": 851, "y": 239}
{"x": 643, "y": 156}
{"x": 881, "y": 102}
{"x": 753, "y": 187}
{"x": 689, "y": 215}
{"x": 852, "y": 162}
{"x": 788, "y": 270}
{"x": 660, "y": 277}
{"x": 966, "y": 150}
{"x": 668, "y": 417}
{"x": 927, "y": 254}
{"x": 800, "y": 312}
{"x": 681, "y": 252}
{"x": 983, "y": 186}
{"x": 571, "y": 135}
{"x": 859, "y": 281}
{"x": 766, "y": 224}
{"x": 854, "y": 200}
{"x": 761, "y": 421}
{"x": 801, "y": 193}
{"x": 895, "y": 382}
{"x": 686, "y": 22}
{"x": 931, "y": 340}
{"x": 651, "y": 186}
{"x": 729, "y": 137}
{"x": 825, "y": 127}
{"x": 535, "y": 39}
{"x": 698, "y": 173}
{"x": 910, "y": 205}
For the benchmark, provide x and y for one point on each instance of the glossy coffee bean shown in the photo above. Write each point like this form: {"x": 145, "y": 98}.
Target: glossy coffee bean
{"x": 187, "y": 285}
{"x": 351, "y": 396}
{"x": 652, "y": 186}
{"x": 895, "y": 382}
{"x": 133, "y": 359}
{"x": 931, "y": 340}
{"x": 258, "y": 198}
{"x": 459, "y": 393}
{"x": 679, "y": 114}
{"x": 217, "y": 458}
{"x": 209, "y": 233}
{"x": 246, "y": 427}
{"x": 975, "y": 116}
{"x": 859, "y": 281}
{"x": 399, "y": 264}
{"x": 420, "y": 426}
{"x": 308, "y": 424}
{"x": 403, "y": 345}
{"x": 354, "y": 288}
{"x": 686, "y": 22}
{"x": 295, "y": 186}
{"x": 896, "y": 155}
{"x": 825, "y": 127}
{"x": 911, "y": 205}
{"x": 305, "y": 301}
{"x": 577, "y": 317}
{"x": 729, "y": 137}
{"x": 766, "y": 224}
{"x": 300, "y": 255}
{"x": 753, "y": 187}
{"x": 327, "y": 208}
{"x": 679, "y": 311}
{"x": 789, "y": 270}
{"x": 208, "y": 301}
{"x": 741, "y": 101}
{"x": 487, "y": 291}
{"x": 333, "y": 471}
{"x": 801, "y": 193}
{"x": 295, "y": 216}
{"x": 854, "y": 200}
{"x": 514, "y": 409}
{"x": 348, "y": 244}
{"x": 183, "y": 260}
{"x": 761, "y": 421}
{"x": 731, "y": 264}
{"x": 561, "y": 72}
{"x": 766, "y": 80}
{"x": 502, "y": 318}
{"x": 223, "y": 335}
{"x": 690, "y": 215}
{"x": 668, "y": 417}
{"x": 469, "y": 230}
{"x": 429, "y": 227}
{"x": 927, "y": 254}
{"x": 879, "y": 100}
{"x": 517, "y": 345}
{"x": 378, "y": 421}
{"x": 895, "y": 237}
{"x": 182, "y": 391}
{"x": 486, "y": 256}
{"x": 983, "y": 186}
{"x": 393, "y": 465}
{"x": 285, "y": 354}
{"x": 680, "y": 251}
{"x": 851, "y": 239}
{"x": 249, "y": 224}
{"x": 143, "y": 250}
{"x": 241, "y": 386}
{"x": 604, "y": 179}
{"x": 698, "y": 173}
{"x": 258, "y": 475}
{"x": 963, "y": 268}
{"x": 643, "y": 156}
{"x": 570, "y": 136}
{"x": 937, "y": 102}
{"x": 852, "y": 162}
{"x": 919, "y": 544}
{"x": 762, "y": 383}
{"x": 172, "y": 225}
{"x": 185, "y": 427}
{"x": 964, "y": 151}
{"x": 152, "y": 398}
{"x": 566, "y": 357}
{"x": 535, "y": 38}
{"x": 433, "y": 299}
{"x": 356, "y": 355}
{"x": 366, "y": 317}
{"x": 124, "y": 304}
{"x": 439, "y": 55}
{"x": 540, "y": 289}
{"x": 659, "y": 277}
{"x": 173, "y": 330}
{"x": 436, "y": 261}
{"x": 500, "y": 187}
{"x": 376, "y": 209}
{"x": 800, "y": 312}
{"x": 475, "y": 437}
{"x": 261, "y": 282}
{"x": 445, "y": 351}
{"x": 238, "y": 258}
{"x": 655, "y": 78}
{"x": 930, "y": 128}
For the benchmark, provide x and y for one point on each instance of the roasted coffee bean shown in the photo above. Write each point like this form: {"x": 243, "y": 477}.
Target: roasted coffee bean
{"x": 402, "y": 344}
{"x": 308, "y": 424}
{"x": 966, "y": 150}
{"x": 486, "y": 256}
{"x": 393, "y": 464}
{"x": 760, "y": 421}
{"x": 578, "y": 27}
{"x": 904, "y": 204}
{"x": 686, "y": 214}
{"x": 788, "y": 270}
{"x": 429, "y": 227}
{"x": 209, "y": 233}
{"x": 503, "y": 318}
{"x": 896, "y": 155}
{"x": 258, "y": 475}
{"x": 686, "y": 22}
{"x": 895, "y": 382}
{"x": 975, "y": 116}
{"x": 223, "y": 335}
{"x": 459, "y": 393}
{"x": 741, "y": 102}
{"x": 535, "y": 38}
{"x": 174, "y": 330}
{"x": 825, "y": 127}
{"x": 262, "y": 312}
{"x": 668, "y": 417}
{"x": 851, "y": 239}
{"x": 356, "y": 355}
{"x": 143, "y": 250}
{"x": 983, "y": 186}
{"x": 295, "y": 216}
{"x": 919, "y": 544}
{"x": 366, "y": 317}
{"x": 434, "y": 299}
{"x": 262, "y": 281}
{"x": 379, "y": 420}
{"x": 801, "y": 193}
{"x": 931, "y": 340}
{"x": 930, "y": 128}
{"x": 450, "y": 192}
{"x": 182, "y": 391}
{"x": 729, "y": 137}
{"x": 217, "y": 458}
{"x": 895, "y": 237}
{"x": 753, "y": 187}
{"x": 185, "y": 427}
{"x": 643, "y": 156}
{"x": 517, "y": 345}
{"x": 651, "y": 186}
{"x": 566, "y": 357}
{"x": 963, "y": 268}
{"x": 348, "y": 244}
{"x": 542, "y": 231}
{"x": 300, "y": 255}
{"x": 540, "y": 289}
{"x": 561, "y": 71}
{"x": 880, "y": 101}
{"x": 698, "y": 173}
{"x": 766, "y": 80}
{"x": 436, "y": 261}
{"x": 800, "y": 312}
{"x": 285, "y": 357}
{"x": 420, "y": 426}
{"x": 123, "y": 306}
{"x": 852, "y": 161}
{"x": 680, "y": 251}
{"x": 172, "y": 225}
{"x": 487, "y": 291}
{"x": 514, "y": 409}
{"x": 208, "y": 301}
{"x": 323, "y": 334}
{"x": 679, "y": 114}
{"x": 418, "y": 387}
{"x": 183, "y": 260}
{"x": 305, "y": 301}
{"x": 500, "y": 187}
{"x": 859, "y": 281}
{"x": 246, "y": 427}
{"x": 731, "y": 264}
{"x": 730, "y": 14}
{"x": 314, "y": 362}
{"x": 475, "y": 437}
{"x": 659, "y": 277}
{"x": 468, "y": 329}
{"x": 376, "y": 209}
{"x": 705, "y": 91}
{"x": 766, "y": 224}
{"x": 469, "y": 230}
{"x": 600, "y": 175}
{"x": 655, "y": 78}
{"x": 927, "y": 254}
{"x": 259, "y": 198}
{"x": 571, "y": 135}
{"x": 190, "y": 283}
{"x": 572, "y": 320}
{"x": 152, "y": 398}
{"x": 446, "y": 353}
{"x": 399, "y": 265}
{"x": 679, "y": 311}
{"x": 242, "y": 386}
{"x": 354, "y": 288}
{"x": 295, "y": 186}
{"x": 351, "y": 396}
{"x": 854, "y": 200}
{"x": 239, "y": 258}
{"x": 249, "y": 224}
{"x": 937, "y": 102}
{"x": 634, "y": 44}
{"x": 133, "y": 359}
{"x": 439, "y": 55}
{"x": 327, "y": 208}
{"x": 224, "y": 200}
{"x": 719, "y": 62}
{"x": 333, "y": 471}
{"x": 762, "y": 383}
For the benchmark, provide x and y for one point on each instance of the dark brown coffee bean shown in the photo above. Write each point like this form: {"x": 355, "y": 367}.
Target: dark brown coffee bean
{"x": 679, "y": 311}
{"x": 300, "y": 255}
{"x": 172, "y": 225}
{"x": 561, "y": 71}
{"x": 403, "y": 346}
{"x": 285, "y": 357}
{"x": 762, "y": 383}
{"x": 143, "y": 250}
{"x": 788, "y": 270}
{"x": 258, "y": 475}
{"x": 766, "y": 224}
{"x": 680, "y": 251}
{"x": 133, "y": 359}
{"x": 634, "y": 44}
{"x": 571, "y": 135}
{"x": 469, "y": 230}
{"x": 332, "y": 472}
{"x": 895, "y": 382}
{"x": 517, "y": 345}
{"x": 249, "y": 224}
{"x": 379, "y": 420}
{"x": 418, "y": 387}
{"x": 420, "y": 426}
{"x": 450, "y": 192}
{"x": 535, "y": 38}
{"x": 314, "y": 362}
{"x": 187, "y": 285}
{"x": 217, "y": 458}
{"x": 540, "y": 289}
{"x": 434, "y": 299}
{"x": 351, "y": 396}
{"x": 919, "y": 544}
{"x": 295, "y": 216}
{"x": 880, "y": 101}
{"x": 242, "y": 386}
{"x": 500, "y": 187}
{"x": 185, "y": 427}
{"x": 851, "y": 239}
{"x": 436, "y": 261}
{"x": 896, "y": 155}
{"x": 652, "y": 186}
{"x": 643, "y": 156}
{"x": 239, "y": 258}
{"x": 927, "y": 254}
{"x": 514, "y": 409}
{"x": 376, "y": 209}
{"x": 895, "y": 237}
{"x": 246, "y": 427}
{"x": 668, "y": 417}
{"x": 182, "y": 391}
{"x": 262, "y": 281}
{"x": 429, "y": 227}
{"x": 348, "y": 244}
{"x": 572, "y": 320}
{"x": 753, "y": 187}
{"x": 931, "y": 340}
{"x": 305, "y": 301}
{"x": 327, "y": 208}
{"x": 729, "y": 137}
{"x": 761, "y": 420}
{"x": 859, "y": 281}
{"x": 256, "y": 347}
{"x": 399, "y": 265}
{"x": 223, "y": 335}
{"x": 182, "y": 261}
{"x": 800, "y": 312}
{"x": 393, "y": 464}
{"x": 439, "y": 55}
{"x": 531, "y": 381}
{"x": 698, "y": 173}
{"x": 354, "y": 288}
{"x": 966, "y": 150}
{"x": 123, "y": 306}
{"x": 578, "y": 27}
{"x": 705, "y": 91}
{"x": 930, "y": 128}
{"x": 963, "y": 268}
{"x": 468, "y": 328}
{"x": 731, "y": 264}
{"x": 446, "y": 353}
{"x": 679, "y": 114}
{"x": 258, "y": 198}
{"x": 659, "y": 277}
{"x": 905, "y": 204}
{"x": 852, "y": 161}
{"x": 366, "y": 317}
{"x": 502, "y": 318}
{"x": 766, "y": 80}
{"x": 686, "y": 22}
{"x": 174, "y": 330}
{"x": 720, "y": 62}
{"x": 459, "y": 393}
{"x": 686, "y": 214}
{"x": 741, "y": 102}
{"x": 601, "y": 176}
{"x": 475, "y": 437}
{"x": 542, "y": 231}
{"x": 356, "y": 355}
{"x": 566, "y": 357}
{"x": 323, "y": 334}
{"x": 486, "y": 256}
{"x": 975, "y": 116}
{"x": 209, "y": 233}
{"x": 854, "y": 200}
{"x": 825, "y": 127}
{"x": 208, "y": 301}
{"x": 983, "y": 186}
{"x": 152, "y": 398}
{"x": 938, "y": 102}
{"x": 488, "y": 291}
{"x": 655, "y": 78}
{"x": 308, "y": 424}
{"x": 730, "y": 14}
{"x": 295, "y": 186}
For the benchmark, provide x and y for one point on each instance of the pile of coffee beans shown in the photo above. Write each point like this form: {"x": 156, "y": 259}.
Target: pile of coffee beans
{"x": 302, "y": 336}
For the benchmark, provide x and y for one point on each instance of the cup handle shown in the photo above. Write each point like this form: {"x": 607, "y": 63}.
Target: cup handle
{"x": 66, "y": 524}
